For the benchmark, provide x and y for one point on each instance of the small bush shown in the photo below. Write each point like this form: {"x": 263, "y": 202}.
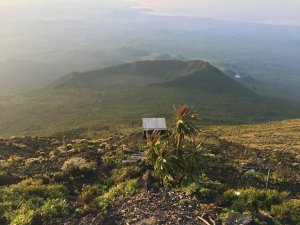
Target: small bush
{"x": 125, "y": 173}
{"x": 30, "y": 188}
{"x": 90, "y": 192}
{"x": 14, "y": 160}
{"x": 55, "y": 208}
{"x": 239, "y": 206}
{"x": 111, "y": 159}
{"x": 81, "y": 147}
{"x": 78, "y": 165}
{"x": 230, "y": 196}
{"x": 252, "y": 199}
{"x": 4, "y": 207}
{"x": 191, "y": 188}
{"x": 288, "y": 211}
{"x": 4, "y": 165}
{"x": 87, "y": 198}
{"x": 184, "y": 201}
{"x": 253, "y": 174}
{"x": 120, "y": 191}
{"x": 34, "y": 161}
{"x": 20, "y": 203}
{"x": 207, "y": 190}
{"x": 23, "y": 215}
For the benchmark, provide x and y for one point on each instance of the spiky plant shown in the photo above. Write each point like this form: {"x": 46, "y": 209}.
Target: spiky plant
{"x": 185, "y": 125}
{"x": 153, "y": 147}
{"x": 193, "y": 161}
{"x": 166, "y": 163}
{"x": 161, "y": 156}
{"x": 176, "y": 158}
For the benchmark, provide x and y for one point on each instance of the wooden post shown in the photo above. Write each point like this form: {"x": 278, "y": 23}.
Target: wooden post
{"x": 268, "y": 177}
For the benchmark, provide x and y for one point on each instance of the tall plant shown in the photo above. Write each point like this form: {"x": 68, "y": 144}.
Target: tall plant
{"x": 185, "y": 125}
{"x": 161, "y": 157}
{"x": 166, "y": 164}
{"x": 193, "y": 160}
{"x": 177, "y": 157}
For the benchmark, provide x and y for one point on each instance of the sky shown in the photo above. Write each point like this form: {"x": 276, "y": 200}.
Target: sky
{"x": 18, "y": 10}
{"x": 261, "y": 11}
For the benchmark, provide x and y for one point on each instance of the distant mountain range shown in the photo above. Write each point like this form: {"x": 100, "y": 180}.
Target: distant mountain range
{"x": 37, "y": 52}
{"x": 196, "y": 74}
{"x": 116, "y": 98}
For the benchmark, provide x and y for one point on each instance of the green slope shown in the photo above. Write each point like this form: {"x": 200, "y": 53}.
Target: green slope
{"x": 116, "y": 98}
{"x": 209, "y": 79}
{"x": 131, "y": 74}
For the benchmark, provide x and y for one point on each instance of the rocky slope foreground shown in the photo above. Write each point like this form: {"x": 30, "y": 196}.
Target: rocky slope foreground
{"x": 105, "y": 181}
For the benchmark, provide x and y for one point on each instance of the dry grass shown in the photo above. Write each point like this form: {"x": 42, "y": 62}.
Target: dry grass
{"x": 281, "y": 135}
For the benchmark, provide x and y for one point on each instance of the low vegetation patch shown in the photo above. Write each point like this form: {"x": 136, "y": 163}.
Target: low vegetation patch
{"x": 31, "y": 199}
{"x": 119, "y": 191}
{"x": 78, "y": 166}
{"x": 184, "y": 176}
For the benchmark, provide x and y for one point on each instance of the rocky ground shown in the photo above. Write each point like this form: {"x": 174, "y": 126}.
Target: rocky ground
{"x": 42, "y": 157}
{"x": 158, "y": 208}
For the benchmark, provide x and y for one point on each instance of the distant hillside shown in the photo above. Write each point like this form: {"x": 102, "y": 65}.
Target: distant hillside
{"x": 208, "y": 78}
{"x": 115, "y": 98}
{"x": 135, "y": 74}
{"x": 267, "y": 53}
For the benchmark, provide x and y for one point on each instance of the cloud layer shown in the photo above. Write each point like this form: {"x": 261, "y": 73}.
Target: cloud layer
{"x": 266, "y": 11}
{"x": 58, "y": 9}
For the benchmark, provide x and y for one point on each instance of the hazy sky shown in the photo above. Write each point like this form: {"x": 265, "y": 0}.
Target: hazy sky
{"x": 265, "y": 11}
{"x": 58, "y": 9}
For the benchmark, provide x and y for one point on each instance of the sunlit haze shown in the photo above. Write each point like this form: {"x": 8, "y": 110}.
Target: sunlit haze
{"x": 261, "y": 11}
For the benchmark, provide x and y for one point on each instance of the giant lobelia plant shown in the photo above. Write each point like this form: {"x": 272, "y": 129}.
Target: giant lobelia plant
{"x": 185, "y": 125}
{"x": 177, "y": 157}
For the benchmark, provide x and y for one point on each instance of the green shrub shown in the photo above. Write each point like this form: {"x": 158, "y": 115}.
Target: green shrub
{"x": 23, "y": 215}
{"x": 230, "y": 196}
{"x": 252, "y": 199}
{"x": 288, "y": 211}
{"x": 119, "y": 191}
{"x": 2, "y": 198}
{"x": 34, "y": 161}
{"x": 81, "y": 147}
{"x": 20, "y": 203}
{"x": 111, "y": 159}
{"x": 177, "y": 159}
{"x": 126, "y": 172}
{"x": 207, "y": 190}
{"x": 184, "y": 201}
{"x": 55, "y": 208}
{"x": 4, "y": 165}
{"x": 191, "y": 188}
{"x": 4, "y": 207}
{"x": 155, "y": 186}
{"x": 90, "y": 192}
{"x": 239, "y": 206}
{"x": 78, "y": 166}
{"x": 29, "y": 188}
{"x": 87, "y": 198}
{"x": 253, "y": 174}
{"x": 14, "y": 160}
{"x": 219, "y": 187}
